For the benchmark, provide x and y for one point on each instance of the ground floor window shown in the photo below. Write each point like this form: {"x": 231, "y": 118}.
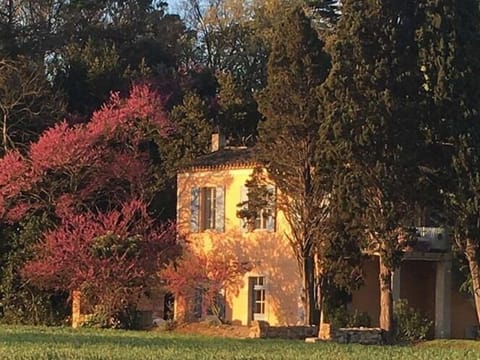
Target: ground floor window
{"x": 168, "y": 306}
{"x": 257, "y": 297}
{"x": 214, "y": 306}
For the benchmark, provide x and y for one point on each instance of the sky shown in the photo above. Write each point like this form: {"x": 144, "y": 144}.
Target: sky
{"x": 174, "y": 6}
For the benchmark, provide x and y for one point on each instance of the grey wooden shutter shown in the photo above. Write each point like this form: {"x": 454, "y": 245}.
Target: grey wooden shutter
{"x": 195, "y": 210}
{"x": 271, "y": 218}
{"x": 220, "y": 209}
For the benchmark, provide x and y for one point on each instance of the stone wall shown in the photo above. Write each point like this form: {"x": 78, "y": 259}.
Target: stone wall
{"x": 261, "y": 329}
{"x": 367, "y": 336}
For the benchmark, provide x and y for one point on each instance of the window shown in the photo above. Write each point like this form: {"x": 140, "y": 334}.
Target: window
{"x": 198, "y": 303}
{"x": 215, "y": 306}
{"x": 262, "y": 219}
{"x": 257, "y": 297}
{"x": 207, "y": 209}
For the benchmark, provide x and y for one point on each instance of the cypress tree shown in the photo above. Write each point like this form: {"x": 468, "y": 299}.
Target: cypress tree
{"x": 450, "y": 61}
{"x": 287, "y": 136}
{"x": 371, "y": 131}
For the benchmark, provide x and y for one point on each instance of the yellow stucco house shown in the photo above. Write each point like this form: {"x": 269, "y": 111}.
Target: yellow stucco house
{"x": 209, "y": 191}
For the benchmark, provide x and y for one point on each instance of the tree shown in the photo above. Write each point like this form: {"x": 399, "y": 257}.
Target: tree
{"x": 287, "y": 137}
{"x": 28, "y": 104}
{"x": 233, "y": 46}
{"x": 193, "y": 122}
{"x": 371, "y": 138}
{"x": 21, "y": 301}
{"x": 450, "y": 49}
{"x": 260, "y": 199}
{"x": 27, "y": 27}
{"x": 106, "y": 46}
{"x": 92, "y": 166}
{"x": 81, "y": 170}
{"x": 209, "y": 276}
{"x": 113, "y": 258}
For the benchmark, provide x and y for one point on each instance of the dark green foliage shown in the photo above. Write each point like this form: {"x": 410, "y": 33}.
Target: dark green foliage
{"x": 341, "y": 317}
{"x": 190, "y": 139}
{"x": 20, "y": 302}
{"x": 287, "y": 137}
{"x": 91, "y": 73}
{"x": 261, "y": 198}
{"x": 193, "y": 123}
{"x": 110, "y": 245}
{"x": 450, "y": 60}
{"x": 371, "y": 137}
{"x": 232, "y": 44}
{"x": 237, "y": 115}
{"x": 410, "y": 324}
{"x": 128, "y": 318}
{"x": 109, "y": 57}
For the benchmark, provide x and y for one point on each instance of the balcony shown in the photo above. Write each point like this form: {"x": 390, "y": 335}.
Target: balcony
{"x": 432, "y": 239}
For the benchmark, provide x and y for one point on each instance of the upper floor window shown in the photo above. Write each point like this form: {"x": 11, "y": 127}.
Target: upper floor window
{"x": 257, "y": 208}
{"x": 207, "y": 209}
{"x": 208, "y": 206}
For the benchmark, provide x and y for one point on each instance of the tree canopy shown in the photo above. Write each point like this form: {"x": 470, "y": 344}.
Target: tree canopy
{"x": 297, "y": 66}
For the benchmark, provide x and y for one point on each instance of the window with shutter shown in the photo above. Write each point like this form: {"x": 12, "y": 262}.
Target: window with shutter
{"x": 220, "y": 209}
{"x": 265, "y": 219}
{"x": 195, "y": 210}
{"x": 208, "y": 209}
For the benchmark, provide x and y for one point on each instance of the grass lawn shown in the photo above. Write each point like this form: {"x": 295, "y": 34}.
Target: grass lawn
{"x": 65, "y": 343}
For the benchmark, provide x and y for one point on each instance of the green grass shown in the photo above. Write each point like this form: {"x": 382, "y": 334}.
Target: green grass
{"x": 64, "y": 343}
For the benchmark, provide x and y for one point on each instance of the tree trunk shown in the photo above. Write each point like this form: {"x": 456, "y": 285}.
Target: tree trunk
{"x": 308, "y": 290}
{"x": 319, "y": 300}
{"x": 472, "y": 254}
{"x": 4, "y": 133}
{"x": 386, "y": 299}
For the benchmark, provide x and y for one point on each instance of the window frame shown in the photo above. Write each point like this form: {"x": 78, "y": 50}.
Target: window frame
{"x": 266, "y": 220}
{"x": 207, "y": 209}
{"x": 257, "y": 298}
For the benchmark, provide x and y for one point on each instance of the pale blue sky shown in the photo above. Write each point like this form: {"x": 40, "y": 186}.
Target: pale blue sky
{"x": 174, "y": 6}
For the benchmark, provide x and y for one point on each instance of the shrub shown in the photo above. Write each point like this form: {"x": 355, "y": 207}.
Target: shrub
{"x": 341, "y": 317}
{"x": 411, "y": 325}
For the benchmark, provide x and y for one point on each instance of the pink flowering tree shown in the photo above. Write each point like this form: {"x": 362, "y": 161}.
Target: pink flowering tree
{"x": 96, "y": 165}
{"x": 113, "y": 258}
{"x": 93, "y": 182}
{"x": 200, "y": 281}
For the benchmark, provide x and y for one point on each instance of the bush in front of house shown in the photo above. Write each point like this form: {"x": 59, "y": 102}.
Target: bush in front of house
{"x": 410, "y": 324}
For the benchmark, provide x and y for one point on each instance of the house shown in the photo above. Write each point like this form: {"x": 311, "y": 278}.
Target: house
{"x": 430, "y": 283}
{"x": 209, "y": 191}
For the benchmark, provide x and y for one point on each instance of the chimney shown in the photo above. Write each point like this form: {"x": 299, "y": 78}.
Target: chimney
{"x": 218, "y": 141}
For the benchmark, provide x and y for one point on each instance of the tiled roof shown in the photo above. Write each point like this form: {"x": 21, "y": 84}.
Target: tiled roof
{"x": 229, "y": 157}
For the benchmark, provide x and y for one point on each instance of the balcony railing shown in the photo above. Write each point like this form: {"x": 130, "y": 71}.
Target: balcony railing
{"x": 432, "y": 239}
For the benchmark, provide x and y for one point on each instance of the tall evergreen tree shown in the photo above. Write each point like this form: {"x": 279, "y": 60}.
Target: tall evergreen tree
{"x": 371, "y": 132}
{"x": 287, "y": 137}
{"x": 450, "y": 61}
